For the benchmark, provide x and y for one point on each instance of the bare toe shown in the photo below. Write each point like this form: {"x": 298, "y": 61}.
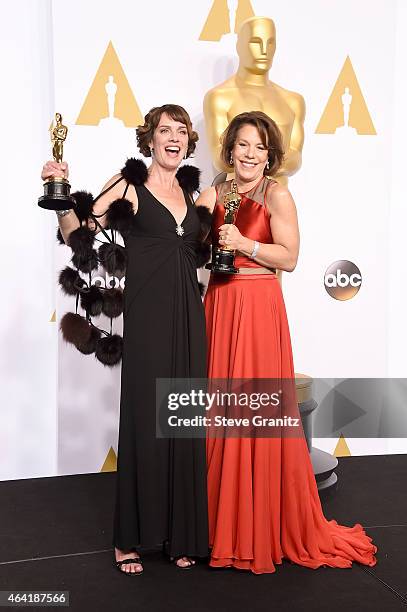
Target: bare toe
{"x": 128, "y": 568}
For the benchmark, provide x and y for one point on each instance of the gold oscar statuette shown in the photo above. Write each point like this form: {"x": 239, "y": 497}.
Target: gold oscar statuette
{"x": 57, "y": 189}
{"x": 250, "y": 89}
{"x": 223, "y": 258}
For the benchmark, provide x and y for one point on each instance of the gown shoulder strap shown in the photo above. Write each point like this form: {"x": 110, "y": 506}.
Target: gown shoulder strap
{"x": 102, "y": 193}
{"x": 125, "y": 191}
{"x": 188, "y": 197}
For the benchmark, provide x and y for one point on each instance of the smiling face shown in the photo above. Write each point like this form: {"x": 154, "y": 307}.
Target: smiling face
{"x": 169, "y": 142}
{"x": 249, "y": 154}
{"x": 256, "y": 44}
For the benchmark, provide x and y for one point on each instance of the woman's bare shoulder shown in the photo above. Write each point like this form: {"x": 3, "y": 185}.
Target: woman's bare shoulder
{"x": 277, "y": 194}
{"x": 114, "y": 185}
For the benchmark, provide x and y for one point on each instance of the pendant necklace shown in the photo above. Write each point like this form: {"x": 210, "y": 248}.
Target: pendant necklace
{"x": 179, "y": 229}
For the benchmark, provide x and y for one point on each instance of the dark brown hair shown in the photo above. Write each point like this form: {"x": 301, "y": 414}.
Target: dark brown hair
{"x": 269, "y": 133}
{"x": 152, "y": 119}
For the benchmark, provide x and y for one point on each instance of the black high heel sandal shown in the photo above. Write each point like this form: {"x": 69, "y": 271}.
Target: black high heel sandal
{"x": 190, "y": 561}
{"x": 137, "y": 560}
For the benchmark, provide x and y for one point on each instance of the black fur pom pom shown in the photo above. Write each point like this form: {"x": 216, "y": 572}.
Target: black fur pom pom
{"x": 135, "y": 171}
{"x": 89, "y": 347}
{"x": 113, "y": 258}
{"x": 85, "y": 262}
{"x": 92, "y": 301}
{"x": 120, "y": 216}
{"x": 112, "y": 303}
{"x": 205, "y": 219}
{"x": 188, "y": 178}
{"x": 70, "y": 281}
{"x": 109, "y": 350}
{"x": 75, "y": 329}
{"x": 203, "y": 254}
{"x": 60, "y": 238}
{"x": 81, "y": 240}
{"x": 84, "y": 204}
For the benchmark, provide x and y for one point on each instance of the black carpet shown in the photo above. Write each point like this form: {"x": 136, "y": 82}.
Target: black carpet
{"x": 55, "y": 534}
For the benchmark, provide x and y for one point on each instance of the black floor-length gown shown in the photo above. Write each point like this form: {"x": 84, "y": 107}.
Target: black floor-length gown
{"x": 161, "y": 483}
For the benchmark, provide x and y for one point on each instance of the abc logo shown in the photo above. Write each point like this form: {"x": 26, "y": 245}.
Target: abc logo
{"x": 109, "y": 282}
{"x": 342, "y": 280}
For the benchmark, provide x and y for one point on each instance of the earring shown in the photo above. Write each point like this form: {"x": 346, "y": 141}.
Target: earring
{"x": 268, "y": 164}
{"x": 185, "y": 156}
{"x": 231, "y": 160}
{"x": 152, "y": 152}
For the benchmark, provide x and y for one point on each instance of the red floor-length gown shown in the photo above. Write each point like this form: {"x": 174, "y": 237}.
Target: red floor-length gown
{"x": 262, "y": 495}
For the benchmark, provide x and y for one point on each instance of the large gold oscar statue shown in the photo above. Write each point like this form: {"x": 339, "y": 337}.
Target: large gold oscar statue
{"x": 251, "y": 89}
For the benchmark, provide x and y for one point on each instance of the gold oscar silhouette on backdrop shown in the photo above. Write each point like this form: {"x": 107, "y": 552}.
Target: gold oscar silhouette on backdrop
{"x": 225, "y": 17}
{"x": 346, "y": 111}
{"x": 110, "y": 100}
{"x": 251, "y": 89}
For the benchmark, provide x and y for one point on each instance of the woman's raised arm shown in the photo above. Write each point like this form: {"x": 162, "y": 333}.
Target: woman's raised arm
{"x": 111, "y": 191}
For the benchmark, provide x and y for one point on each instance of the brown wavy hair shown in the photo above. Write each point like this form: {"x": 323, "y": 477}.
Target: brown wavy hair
{"x": 269, "y": 133}
{"x": 152, "y": 119}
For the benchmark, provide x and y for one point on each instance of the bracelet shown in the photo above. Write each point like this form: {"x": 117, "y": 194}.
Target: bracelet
{"x": 255, "y": 249}
{"x": 62, "y": 213}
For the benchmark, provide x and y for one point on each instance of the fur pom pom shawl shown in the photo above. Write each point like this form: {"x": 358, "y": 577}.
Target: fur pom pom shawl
{"x": 79, "y": 330}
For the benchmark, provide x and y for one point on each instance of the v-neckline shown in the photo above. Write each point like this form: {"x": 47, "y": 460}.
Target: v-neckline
{"x": 168, "y": 210}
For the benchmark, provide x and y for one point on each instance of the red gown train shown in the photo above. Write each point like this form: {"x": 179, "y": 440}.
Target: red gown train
{"x": 262, "y": 495}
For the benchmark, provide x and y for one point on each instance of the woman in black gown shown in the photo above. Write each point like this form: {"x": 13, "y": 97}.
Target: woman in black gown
{"x": 161, "y": 483}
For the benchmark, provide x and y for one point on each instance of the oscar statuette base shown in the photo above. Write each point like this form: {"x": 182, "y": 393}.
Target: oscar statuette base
{"x": 56, "y": 195}
{"x": 223, "y": 261}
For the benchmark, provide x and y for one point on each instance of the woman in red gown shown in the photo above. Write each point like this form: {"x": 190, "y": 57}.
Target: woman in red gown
{"x": 262, "y": 495}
